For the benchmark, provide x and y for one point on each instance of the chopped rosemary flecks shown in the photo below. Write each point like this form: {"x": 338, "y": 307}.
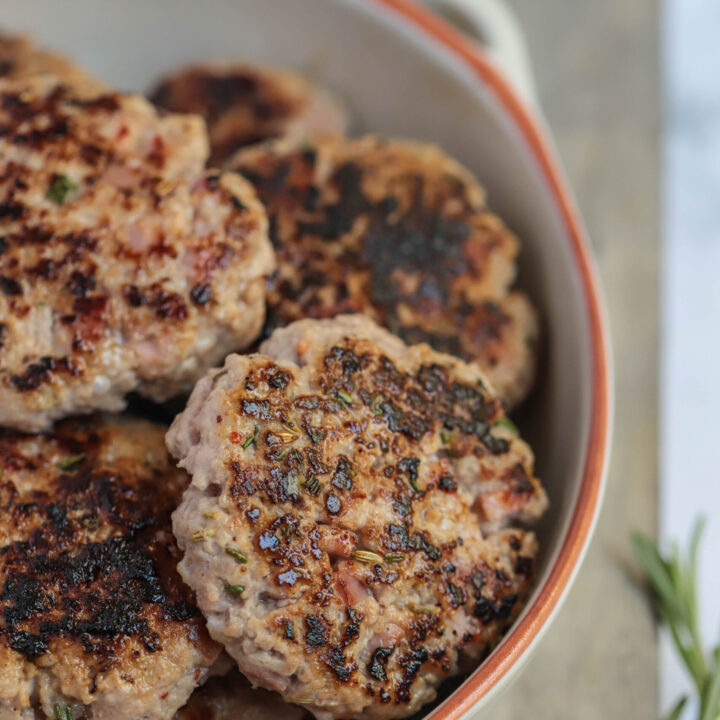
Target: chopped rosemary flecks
{"x": 60, "y": 188}
{"x": 199, "y": 535}
{"x": 366, "y": 556}
{"x": 236, "y": 555}
{"x": 344, "y": 398}
{"x": 313, "y": 485}
{"x": 234, "y": 589}
{"x": 445, "y": 436}
{"x": 414, "y": 484}
{"x": 288, "y": 434}
{"x": 377, "y": 404}
{"x": 251, "y": 439}
{"x": 506, "y": 422}
{"x": 63, "y": 712}
{"x": 419, "y": 610}
{"x": 394, "y": 558}
{"x": 71, "y": 462}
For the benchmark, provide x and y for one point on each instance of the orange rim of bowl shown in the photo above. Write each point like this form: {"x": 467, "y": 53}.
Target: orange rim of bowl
{"x": 524, "y": 632}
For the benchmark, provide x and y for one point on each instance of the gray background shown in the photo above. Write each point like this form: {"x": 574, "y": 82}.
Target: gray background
{"x": 596, "y": 64}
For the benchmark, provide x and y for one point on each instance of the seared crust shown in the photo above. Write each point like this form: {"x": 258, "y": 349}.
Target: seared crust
{"x": 401, "y": 232}
{"x": 348, "y": 526}
{"x": 20, "y": 58}
{"x": 233, "y": 698}
{"x": 244, "y": 104}
{"x": 93, "y": 615}
{"x": 122, "y": 265}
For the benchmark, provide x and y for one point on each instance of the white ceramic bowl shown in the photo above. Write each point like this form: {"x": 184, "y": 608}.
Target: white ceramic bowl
{"x": 402, "y": 72}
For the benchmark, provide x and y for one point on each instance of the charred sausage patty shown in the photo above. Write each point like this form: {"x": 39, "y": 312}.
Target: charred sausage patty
{"x": 244, "y": 104}
{"x": 351, "y": 529}
{"x": 401, "y": 232}
{"x": 94, "y": 619}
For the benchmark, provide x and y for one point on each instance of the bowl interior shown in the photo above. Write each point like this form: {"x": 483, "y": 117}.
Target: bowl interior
{"x": 396, "y": 82}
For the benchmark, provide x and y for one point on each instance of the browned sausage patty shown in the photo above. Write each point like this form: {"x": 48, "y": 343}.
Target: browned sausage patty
{"x": 93, "y": 615}
{"x": 123, "y": 264}
{"x": 401, "y": 232}
{"x": 244, "y": 104}
{"x": 21, "y": 58}
{"x": 351, "y": 526}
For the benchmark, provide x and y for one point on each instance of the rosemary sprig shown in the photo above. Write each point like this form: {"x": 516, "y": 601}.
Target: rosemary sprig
{"x": 673, "y": 582}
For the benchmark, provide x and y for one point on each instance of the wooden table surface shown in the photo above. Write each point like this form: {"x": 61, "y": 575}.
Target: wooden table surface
{"x": 596, "y": 66}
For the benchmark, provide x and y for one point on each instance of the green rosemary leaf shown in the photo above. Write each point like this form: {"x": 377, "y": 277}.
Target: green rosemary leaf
{"x": 366, "y": 556}
{"x": 677, "y": 710}
{"x": 251, "y": 439}
{"x": 673, "y": 581}
{"x": 71, "y": 462}
{"x": 344, "y": 398}
{"x": 60, "y": 188}
{"x": 506, "y": 422}
{"x": 63, "y": 712}
{"x": 236, "y": 555}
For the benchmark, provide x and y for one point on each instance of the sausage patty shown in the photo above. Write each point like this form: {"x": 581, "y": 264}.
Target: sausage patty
{"x": 351, "y": 529}
{"x": 401, "y": 232}
{"x": 123, "y": 265}
{"x": 94, "y": 619}
{"x": 245, "y": 104}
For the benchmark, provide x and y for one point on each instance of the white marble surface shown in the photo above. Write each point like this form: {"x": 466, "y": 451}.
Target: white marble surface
{"x": 690, "y": 364}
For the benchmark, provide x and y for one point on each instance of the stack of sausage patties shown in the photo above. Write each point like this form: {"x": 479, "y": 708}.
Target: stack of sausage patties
{"x": 342, "y": 516}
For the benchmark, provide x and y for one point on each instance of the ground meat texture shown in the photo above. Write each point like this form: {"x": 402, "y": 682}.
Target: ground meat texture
{"x": 401, "y": 232}
{"x": 243, "y": 104}
{"x": 123, "y": 265}
{"x": 233, "y": 698}
{"x": 21, "y": 58}
{"x": 354, "y": 530}
{"x": 94, "y": 619}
